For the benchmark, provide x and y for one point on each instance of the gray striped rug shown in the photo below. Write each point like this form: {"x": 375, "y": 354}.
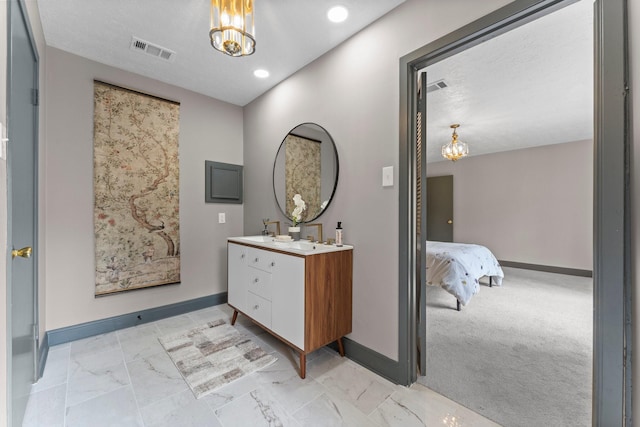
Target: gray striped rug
{"x": 212, "y": 355}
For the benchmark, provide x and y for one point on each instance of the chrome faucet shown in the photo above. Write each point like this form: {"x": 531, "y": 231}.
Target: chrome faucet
{"x": 266, "y": 224}
{"x": 319, "y": 234}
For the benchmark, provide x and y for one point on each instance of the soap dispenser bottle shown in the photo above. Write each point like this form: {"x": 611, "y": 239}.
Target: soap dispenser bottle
{"x": 339, "y": 234}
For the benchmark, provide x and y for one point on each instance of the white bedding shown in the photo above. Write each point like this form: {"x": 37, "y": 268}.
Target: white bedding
{"x": 458, "y": 267}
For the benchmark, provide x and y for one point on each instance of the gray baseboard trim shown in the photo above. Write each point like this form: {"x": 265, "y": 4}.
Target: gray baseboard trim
{"x": 372, "y": 360}
{"x": 97, "y": 327}
{"x": 547, "y": 268}
{"x": 43, "y": 353}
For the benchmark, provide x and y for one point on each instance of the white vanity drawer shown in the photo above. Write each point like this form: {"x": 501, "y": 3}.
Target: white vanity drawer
{"x": 264, "y": 260}
{"x": 259, "y": 309}
{"x": 260, "y": 283}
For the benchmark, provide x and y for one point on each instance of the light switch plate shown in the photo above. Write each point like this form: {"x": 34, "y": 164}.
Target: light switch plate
{"x": 387, "y": 176}
{"x": 222, "y": 218}
{"x": 3, "y": 142}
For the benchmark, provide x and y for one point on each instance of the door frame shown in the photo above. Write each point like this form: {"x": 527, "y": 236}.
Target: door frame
{"x": 612, "y": 321}
{"x": 20, "y": 4}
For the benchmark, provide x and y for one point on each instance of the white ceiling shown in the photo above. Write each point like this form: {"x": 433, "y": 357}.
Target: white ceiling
{"x": 289, "y": 35}
{"x": 531, "y": 86}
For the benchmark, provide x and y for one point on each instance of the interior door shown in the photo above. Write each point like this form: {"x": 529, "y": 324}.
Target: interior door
{"x": 440, "y": 208}
{"x": 421, "y": 224}
{"x": 22, "y": 123}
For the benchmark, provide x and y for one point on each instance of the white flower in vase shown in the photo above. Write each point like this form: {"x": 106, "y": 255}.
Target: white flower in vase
{"x": 296, "y": 215}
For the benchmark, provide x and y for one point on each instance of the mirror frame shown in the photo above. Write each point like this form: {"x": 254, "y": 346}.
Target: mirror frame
{"x": 335, "y": 180}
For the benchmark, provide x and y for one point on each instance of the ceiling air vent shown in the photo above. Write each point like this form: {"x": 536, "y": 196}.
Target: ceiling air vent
{"x": 432, "y": 87}
{"x": 140, "y": 45}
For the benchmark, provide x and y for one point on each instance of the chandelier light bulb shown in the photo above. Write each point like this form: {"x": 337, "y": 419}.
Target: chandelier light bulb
{"x": 232, "y": 27}
{"x": 455, "y": 149}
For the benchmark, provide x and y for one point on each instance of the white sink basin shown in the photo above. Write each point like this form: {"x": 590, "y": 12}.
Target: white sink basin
{"x": 258, "y": 238}
{"x": 300, "y": 247}
{"x": 303, "y": 246}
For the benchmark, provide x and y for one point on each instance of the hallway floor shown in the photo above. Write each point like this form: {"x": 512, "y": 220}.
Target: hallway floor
{"x": 125, "y": 378}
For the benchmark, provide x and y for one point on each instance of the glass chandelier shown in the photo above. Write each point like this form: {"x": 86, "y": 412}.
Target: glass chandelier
{"x": 232, "y": 27}
{"x": 455, "y": 149}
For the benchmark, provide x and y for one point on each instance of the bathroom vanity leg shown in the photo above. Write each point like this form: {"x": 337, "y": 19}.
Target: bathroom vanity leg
{"x": 303, "y": 365}
{"x": 340, "y": 347}
{"x": 234, "y": 317}
{"x": 458, "y": 305}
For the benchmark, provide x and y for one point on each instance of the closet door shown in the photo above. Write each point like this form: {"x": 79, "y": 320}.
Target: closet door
{"x": 440, "y": 208}
{"x": 22, "y": 192}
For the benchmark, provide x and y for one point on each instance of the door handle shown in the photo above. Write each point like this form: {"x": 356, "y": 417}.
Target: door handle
{"x": 24, "y": 252}
{"x": 450, "y": 221}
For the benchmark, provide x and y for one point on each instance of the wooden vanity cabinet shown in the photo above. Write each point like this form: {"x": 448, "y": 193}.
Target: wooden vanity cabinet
{"x": 304, "y": 300}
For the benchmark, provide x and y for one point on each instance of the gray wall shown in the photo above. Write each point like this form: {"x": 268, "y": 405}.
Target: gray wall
{"x": 353, "y": 93}
{"x": 209, "y": 130}
{"x": 533, "y": 205}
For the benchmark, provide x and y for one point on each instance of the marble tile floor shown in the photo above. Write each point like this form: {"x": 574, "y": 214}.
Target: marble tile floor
{"x": 125, "y": 378}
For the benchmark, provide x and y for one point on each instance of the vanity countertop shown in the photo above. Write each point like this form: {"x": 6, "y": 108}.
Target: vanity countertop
{"x": 300, "y": 247}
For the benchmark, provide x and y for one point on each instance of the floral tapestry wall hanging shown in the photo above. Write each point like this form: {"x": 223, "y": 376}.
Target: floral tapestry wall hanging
{"x": 136, "y": 190}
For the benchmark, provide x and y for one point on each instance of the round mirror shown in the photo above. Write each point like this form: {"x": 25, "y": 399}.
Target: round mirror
{"x": 306, "y": 164}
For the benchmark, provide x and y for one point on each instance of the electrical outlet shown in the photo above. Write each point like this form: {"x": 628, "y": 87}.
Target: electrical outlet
{"x": 221, "y": 218}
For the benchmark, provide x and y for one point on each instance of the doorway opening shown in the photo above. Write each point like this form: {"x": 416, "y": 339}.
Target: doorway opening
{"x": 523, "y": 101}
{"x": 611, "y": 250}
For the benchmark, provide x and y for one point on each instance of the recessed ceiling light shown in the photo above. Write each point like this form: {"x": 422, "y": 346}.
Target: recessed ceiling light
{"x": 337, "y": 14}
{"x": 262, "y": 74}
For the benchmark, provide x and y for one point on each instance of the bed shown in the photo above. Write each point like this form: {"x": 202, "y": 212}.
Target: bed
{"x": 458, "y": 268}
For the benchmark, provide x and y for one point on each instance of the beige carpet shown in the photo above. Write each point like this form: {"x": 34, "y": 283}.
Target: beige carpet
{"x": 519, "y": 354}
{"x": 212, "y": 355}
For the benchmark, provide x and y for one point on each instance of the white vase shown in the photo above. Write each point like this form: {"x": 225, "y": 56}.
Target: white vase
{"x": 294, "y": 232}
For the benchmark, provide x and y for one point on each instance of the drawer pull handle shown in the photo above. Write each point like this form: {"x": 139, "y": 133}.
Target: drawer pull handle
{"x": 255, "y": 307}
{"x": 256, "y": 260}
{"x": 273, "y": 263}
{"x": 256, "y": 280}
{"x": 242, "y": 256}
